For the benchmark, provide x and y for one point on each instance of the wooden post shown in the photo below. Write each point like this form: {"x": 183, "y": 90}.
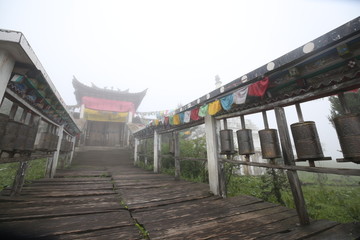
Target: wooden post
{"x": 145, "y": 152}
{"x": 157, "y": 152}
{"x": 136, "y": 153}
{"x": 73, "y": 140}
{"x": 57, "y": 152}
{"x": 212, "y": 154}
{"x": 19, "y": 179}
{"x": 7, "y": 63}
{"x": 288, "y": 156}
{"x": 177, "y": 155}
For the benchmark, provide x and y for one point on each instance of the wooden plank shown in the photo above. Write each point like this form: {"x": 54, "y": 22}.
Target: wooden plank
{"x": 304, "y": 231}
{"x": 51, "y": 227}
{"x": 347, "y": 231}
{"x": 108, "y": 234}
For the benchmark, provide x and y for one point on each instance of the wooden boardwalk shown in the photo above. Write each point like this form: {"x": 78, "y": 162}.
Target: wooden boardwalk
{"x": 103, "y": 196}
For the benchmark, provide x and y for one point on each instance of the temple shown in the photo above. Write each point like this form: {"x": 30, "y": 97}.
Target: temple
{"x": 105, "y": 114}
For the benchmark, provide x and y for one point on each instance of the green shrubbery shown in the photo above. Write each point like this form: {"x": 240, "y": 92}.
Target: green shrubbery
{"x": 36, "y": 170}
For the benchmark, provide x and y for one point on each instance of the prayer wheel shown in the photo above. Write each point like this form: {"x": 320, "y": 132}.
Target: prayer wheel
{"x": 348, "y": 131}
{"x": 306, "y": 139}
{"x": 44, "y": 142}
{"x": 20, "y": 140}
{"x": 227, "y": 142}
{"x": 8, "y": 141}
{"x": 54, "y": 141}
{"x": 30, "y": 139}
{"x": 269, "y": 141}
{"x": 3, "y": 122}
{"x": 245, "y": 141}
{"x": 63, "y": 145}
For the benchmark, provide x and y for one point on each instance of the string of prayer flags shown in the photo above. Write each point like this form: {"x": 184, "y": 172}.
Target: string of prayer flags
{"x": 176, "y": 119}
{"x": 187, "y": 116}
{"x": 194, "y": 115}
{"x": 226, "y": 102}
{"x": 214, "y": 107}
{"x": 240, "y": 95}
{"x": 203, "y": 111}
{"x": 259, "y": 88}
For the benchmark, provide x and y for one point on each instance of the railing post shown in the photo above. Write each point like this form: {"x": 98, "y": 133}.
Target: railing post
{"x": 57, "y": 152}
{"x": 136, "y": 151}
{"x": 212, "y": 154}
{"x": 73, "y": 140}
{"x": 19, "y": 179}
{"x": 292, "y": 175}
{"x": 7, "y": 63}
{"x": 157, "y": 152}
{"x": 177, "y": 155}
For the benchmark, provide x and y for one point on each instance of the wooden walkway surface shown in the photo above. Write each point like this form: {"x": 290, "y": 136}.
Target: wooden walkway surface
{"x": 103, "y": 196}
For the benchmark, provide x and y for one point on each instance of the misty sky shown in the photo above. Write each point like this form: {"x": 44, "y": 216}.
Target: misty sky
{"x": 173, "y": 48}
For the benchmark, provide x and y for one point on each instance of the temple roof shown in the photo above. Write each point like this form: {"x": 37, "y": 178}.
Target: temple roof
{"x": 82, "y": 90}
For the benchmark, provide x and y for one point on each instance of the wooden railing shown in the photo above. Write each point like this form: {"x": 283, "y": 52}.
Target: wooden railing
{"x": 324, "y": 67}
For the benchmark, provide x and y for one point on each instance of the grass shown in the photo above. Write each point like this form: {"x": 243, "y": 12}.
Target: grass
{"x": 36, "y": 170}
{"x": 327, "y": 196}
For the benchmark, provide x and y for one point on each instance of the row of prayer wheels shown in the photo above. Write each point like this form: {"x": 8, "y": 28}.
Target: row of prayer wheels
{"x": 66, "y": 145}
{"x": 269, "y": 141}
{"x": 16, "y": 136}
{"x": 306, "y": 140}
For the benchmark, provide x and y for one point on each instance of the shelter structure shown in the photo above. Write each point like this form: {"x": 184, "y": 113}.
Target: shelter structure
{"x": 105, "y": 114}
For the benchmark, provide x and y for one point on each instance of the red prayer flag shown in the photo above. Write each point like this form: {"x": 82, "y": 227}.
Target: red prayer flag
{"x": 258, "y": 88}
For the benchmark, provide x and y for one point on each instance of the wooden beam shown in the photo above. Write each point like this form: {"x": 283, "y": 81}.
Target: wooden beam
{"x": 288, "y": 157}
{"x": 212, "y": 154}
{"x": 337, "y": 171}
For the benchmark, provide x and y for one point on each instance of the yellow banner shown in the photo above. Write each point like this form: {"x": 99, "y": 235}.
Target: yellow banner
{"x": 105, "y": 116}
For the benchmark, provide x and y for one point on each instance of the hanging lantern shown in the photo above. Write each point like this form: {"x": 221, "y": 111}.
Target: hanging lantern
{"x": 306, "y": 139}
{"x": 269, "y": 141}
{"x": 245, "y": 141}
{"x": 227, "y": 142}
{"x": 348, "y": 131}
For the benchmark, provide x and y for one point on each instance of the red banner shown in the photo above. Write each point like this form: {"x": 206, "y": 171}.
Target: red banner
{"x": 108, "y": 105}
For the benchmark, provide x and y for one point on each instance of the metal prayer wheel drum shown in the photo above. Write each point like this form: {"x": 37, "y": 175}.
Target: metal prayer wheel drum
{"x": 30, "y": 139}
{"x": 20, "y": 140}
{"x": 245, "y": 141}
{"x": 306, "y": 139}
{"x": 44, "y": 141}
{"x": 3, "y": 122}
{"x": 54, "y": 141}
{"x": 8, "y": 141}
{"x": 269, "y": 141}
{"x": 348, "y": 131}
{"x": 227, "y": 141}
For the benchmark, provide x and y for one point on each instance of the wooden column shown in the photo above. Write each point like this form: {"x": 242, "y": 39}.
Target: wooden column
{"x": 292, "y": 175}
{"x": 157, "y": 152}
{"x": 128, "y": 133}
{"x": 177, "y": 155}
{"x": 145, "y": 151}
{"x": 57, "y": 152}
{"x": 7, "y": 63}
{"x": 19, "y": 179}
{"x": 212, "y": 154}
{"x": 136, "y": 151}
{"x": 73, "y": 140}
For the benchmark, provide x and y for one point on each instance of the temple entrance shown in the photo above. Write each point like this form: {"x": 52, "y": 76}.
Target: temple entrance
{"x": 104, "y": 133}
